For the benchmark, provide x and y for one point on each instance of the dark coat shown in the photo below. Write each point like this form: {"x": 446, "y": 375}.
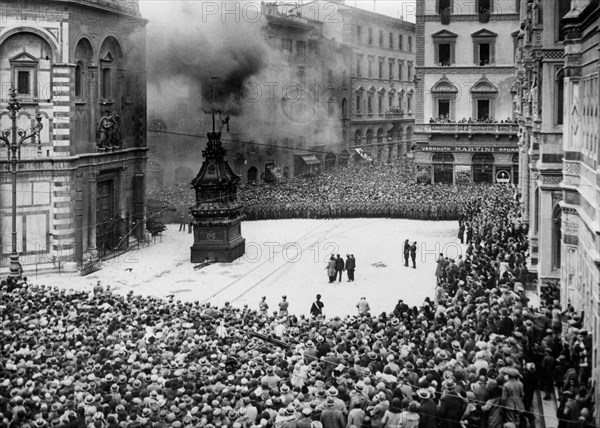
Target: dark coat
{"x": 339, "y": 264}
{"x": 350, "y": 264}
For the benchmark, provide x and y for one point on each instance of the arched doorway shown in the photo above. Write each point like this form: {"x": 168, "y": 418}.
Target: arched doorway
{"x": 443, "y": 168}
{"x": 556, "y": 237}
{"x": 252, "y": 174}
{"x": 483, "y": 168}
{"x": 329, "y": 160}
{"x": 344, "y": 158}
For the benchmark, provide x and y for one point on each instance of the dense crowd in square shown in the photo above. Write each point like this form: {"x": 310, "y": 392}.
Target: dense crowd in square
{"x": 471, "y": 356}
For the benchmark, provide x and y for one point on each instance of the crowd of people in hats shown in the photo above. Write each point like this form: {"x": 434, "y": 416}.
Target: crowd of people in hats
{"x": 470, "y": 357}
{"x": 385, "y": 190}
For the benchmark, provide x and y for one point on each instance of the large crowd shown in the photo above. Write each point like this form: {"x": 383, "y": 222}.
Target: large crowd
{"x": 385, "y": 190}
{"x": 472, "y": 356}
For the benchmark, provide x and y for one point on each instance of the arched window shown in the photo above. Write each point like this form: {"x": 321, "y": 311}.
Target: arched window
{"x": 483, "y": 168}
{"x": 443, "y": 168}
{"x": 29, "y": 57}
{"x": 380, "y": 135}
{"x": 369, "y": 136}
{"x": 358, "y": 137}
{"x": 556, "y": 237}
{"x": 560, "y": 97}
{"x": 409, "y": 134}
{"x": 252, "y": 174}
{"x": 111, "y": 60}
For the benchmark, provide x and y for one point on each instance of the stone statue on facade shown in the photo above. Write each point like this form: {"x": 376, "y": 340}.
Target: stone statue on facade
{"x": 109, "y": 133}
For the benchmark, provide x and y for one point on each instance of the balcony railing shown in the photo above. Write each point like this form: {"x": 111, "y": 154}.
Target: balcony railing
{"x": 457, "y": 129}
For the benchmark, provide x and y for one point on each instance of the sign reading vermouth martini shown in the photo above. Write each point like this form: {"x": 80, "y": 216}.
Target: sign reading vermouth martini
{"x": 471, "y": 149}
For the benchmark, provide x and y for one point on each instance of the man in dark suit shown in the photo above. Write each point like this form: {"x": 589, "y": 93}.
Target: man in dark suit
{"x": 406, "y": 252}
{"x": 350, "y": 266}
{"x": 339, "y": 267}
{"x": 413, "y": 254}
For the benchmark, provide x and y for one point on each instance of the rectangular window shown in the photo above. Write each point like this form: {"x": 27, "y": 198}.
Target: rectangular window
{"x": 484, "y": 5}
{"x": 359, "y": 66}
{"x": 106, "y": 83}
{"x": 286, "y": 45}
{"x": 301, "y": 48}
{"x": 370, "y": 70}
{"x": 409, "y": 103}
{"x": 560, "y": 98}
{"x": 312, "y": 47}
{"x": 390, "y": 101}
{"x": 23, "y": 82}
{"x": 370, "y": 104}
{"x": 380, "y": 105}
{"x": 484, "y": 54}
{"x": 443, "y": 5}
{"x": 358, "y": 104}
{"x": 391, "y": 40}
{"x": 444, "y": 56}
{"x": 410, "y": 44}
{"x": 359, "y": 34}
{"x": 400, "y": 71}
{"x": 380, "y": 38}
{"x": 391, "y": 70}
{"x": 443, "y": 108}
{"x": 370, "y": 36}
{"x": 483, "y": 109}
{"x": 78, "y": 78}
{"x": 381, "y": 69}
{"x": 401, "y": 42}
{"x": 409, "y": 71}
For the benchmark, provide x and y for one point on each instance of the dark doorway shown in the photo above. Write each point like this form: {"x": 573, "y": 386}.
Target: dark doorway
{"x": 108, "y": 227}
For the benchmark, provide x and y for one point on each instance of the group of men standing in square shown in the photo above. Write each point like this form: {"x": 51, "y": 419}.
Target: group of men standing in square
{"x": 410, "y": 251}
{"x": 336, "y": 265}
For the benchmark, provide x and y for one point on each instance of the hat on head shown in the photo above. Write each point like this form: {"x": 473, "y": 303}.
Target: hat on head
{"x": 332, "y": 392}
{"x": 423, "y": 394}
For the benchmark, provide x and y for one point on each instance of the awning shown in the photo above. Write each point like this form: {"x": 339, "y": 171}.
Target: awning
{"x": 275, "y": 172}
{"x": 364, "y": 155}
{"x": 310, "y": 160}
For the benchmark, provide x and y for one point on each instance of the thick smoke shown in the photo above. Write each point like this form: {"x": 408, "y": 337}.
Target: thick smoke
{"x": 190, "y": 43}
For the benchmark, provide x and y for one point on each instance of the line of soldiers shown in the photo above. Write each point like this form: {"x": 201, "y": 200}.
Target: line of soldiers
{"x": 416, "y": 211}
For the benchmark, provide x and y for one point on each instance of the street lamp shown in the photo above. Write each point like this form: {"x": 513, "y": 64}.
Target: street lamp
{"x": 19, "y": 138}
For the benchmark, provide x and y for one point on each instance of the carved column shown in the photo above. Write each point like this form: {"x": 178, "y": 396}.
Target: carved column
{"x": 93, "y": 220}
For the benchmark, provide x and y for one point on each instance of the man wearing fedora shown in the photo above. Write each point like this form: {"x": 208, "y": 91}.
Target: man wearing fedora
{"x": 451, "y": 407}
{"x": 283, "y": 306}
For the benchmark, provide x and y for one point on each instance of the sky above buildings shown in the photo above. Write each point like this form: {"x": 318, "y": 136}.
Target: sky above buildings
{"x": 393, "y": 8}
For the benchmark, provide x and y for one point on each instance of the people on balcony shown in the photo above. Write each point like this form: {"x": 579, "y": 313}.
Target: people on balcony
{"x": 445, "y": 118}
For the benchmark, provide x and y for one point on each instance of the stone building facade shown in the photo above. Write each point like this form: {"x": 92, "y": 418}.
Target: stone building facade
{"x": 577, "y": 219}
{"x": 382, "y": 103}
{"x": 71, "y": 62}
{"x": 465, "y": 128}
{"x": 539, "y": 107}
